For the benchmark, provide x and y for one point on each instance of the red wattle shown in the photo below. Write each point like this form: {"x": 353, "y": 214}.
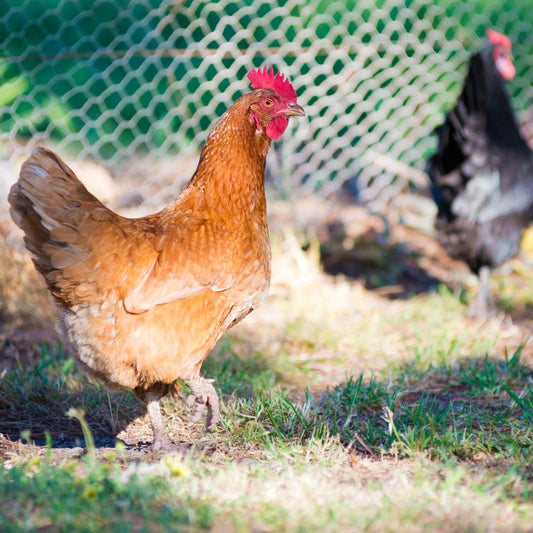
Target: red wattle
{"x": 506, "y": 68}
{"x": 276, "y": 128}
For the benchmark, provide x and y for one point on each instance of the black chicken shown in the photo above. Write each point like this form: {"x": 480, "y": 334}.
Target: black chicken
{"x": 482, "y": 172}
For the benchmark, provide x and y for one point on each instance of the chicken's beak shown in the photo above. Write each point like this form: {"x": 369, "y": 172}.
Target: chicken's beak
{"x": 292, "y": 110}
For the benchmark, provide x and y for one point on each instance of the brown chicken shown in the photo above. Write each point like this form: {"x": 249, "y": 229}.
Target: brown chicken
{"x": 142, "y": 301}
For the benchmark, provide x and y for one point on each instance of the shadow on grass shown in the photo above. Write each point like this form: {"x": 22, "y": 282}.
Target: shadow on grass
{"x": 37, "y": 390}
{"x": 459, "y": 409}
{"x": 465, "y": 409}
{"x": 40, "y": 384}
{"x": 391, "y": 269}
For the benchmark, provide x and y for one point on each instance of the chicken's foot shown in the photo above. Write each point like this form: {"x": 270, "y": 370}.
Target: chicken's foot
{"x": 161, "y": 442}
{"x": 203, "y": 394}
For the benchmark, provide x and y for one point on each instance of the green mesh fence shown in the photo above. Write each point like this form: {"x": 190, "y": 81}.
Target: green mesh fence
{"x": 123, "y": 81}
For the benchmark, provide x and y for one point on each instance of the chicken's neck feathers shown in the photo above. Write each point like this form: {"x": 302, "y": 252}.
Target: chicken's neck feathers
{"x": 490, "y": 88}
{"x": 231, "y": 170}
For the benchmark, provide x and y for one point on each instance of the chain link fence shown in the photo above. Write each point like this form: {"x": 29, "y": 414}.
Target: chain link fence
{"x": 137, "y": 85}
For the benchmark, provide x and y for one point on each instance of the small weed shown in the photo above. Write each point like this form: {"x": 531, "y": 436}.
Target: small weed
{"x": 522, "y": 399}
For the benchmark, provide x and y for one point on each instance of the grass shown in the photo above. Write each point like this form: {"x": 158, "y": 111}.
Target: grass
{"x": 342, "y": 410}
{"x": 475, "y": 407}
{"x": 95, "y": 496}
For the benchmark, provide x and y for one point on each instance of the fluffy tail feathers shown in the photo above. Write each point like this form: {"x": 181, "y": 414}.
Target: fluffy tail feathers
{"x": 55, "y": 211}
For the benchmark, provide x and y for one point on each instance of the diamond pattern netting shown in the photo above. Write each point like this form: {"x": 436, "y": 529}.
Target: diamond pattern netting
{"x": 145, "y": 80}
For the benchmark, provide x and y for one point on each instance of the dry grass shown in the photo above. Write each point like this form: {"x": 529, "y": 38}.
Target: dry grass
{"x": 24, "y": 299}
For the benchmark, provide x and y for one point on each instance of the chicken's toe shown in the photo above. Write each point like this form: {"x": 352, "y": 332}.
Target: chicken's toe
{"x": 162, "y": 444}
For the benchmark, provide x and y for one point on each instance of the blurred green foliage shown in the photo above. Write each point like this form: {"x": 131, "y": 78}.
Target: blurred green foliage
{"x": 78, "y": 68}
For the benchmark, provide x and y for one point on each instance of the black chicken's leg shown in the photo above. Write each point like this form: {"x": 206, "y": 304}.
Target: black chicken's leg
{"x": 483, "y": 305}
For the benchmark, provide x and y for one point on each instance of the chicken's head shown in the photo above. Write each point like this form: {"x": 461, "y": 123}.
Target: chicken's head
{"x": 501, "y": 52}
{"x": 276, "y": 102}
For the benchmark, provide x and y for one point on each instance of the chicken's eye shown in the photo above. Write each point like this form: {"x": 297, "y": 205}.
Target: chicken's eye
{"x": 268, "y": 102}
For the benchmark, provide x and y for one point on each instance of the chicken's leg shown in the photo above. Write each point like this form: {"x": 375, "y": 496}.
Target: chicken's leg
{"x": 161, "y": 442}
{"x": 203, "y": 394}
{"x": 483, "y": 305}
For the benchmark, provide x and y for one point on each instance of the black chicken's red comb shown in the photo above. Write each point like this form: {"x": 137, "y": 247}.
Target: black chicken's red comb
{"x": 499, "y": 38}
{"x": 265, "y": 79}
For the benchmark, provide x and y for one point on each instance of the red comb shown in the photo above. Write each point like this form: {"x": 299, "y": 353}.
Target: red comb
{"x": 263, "y": 79}
{"x": 499, "y": 38}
